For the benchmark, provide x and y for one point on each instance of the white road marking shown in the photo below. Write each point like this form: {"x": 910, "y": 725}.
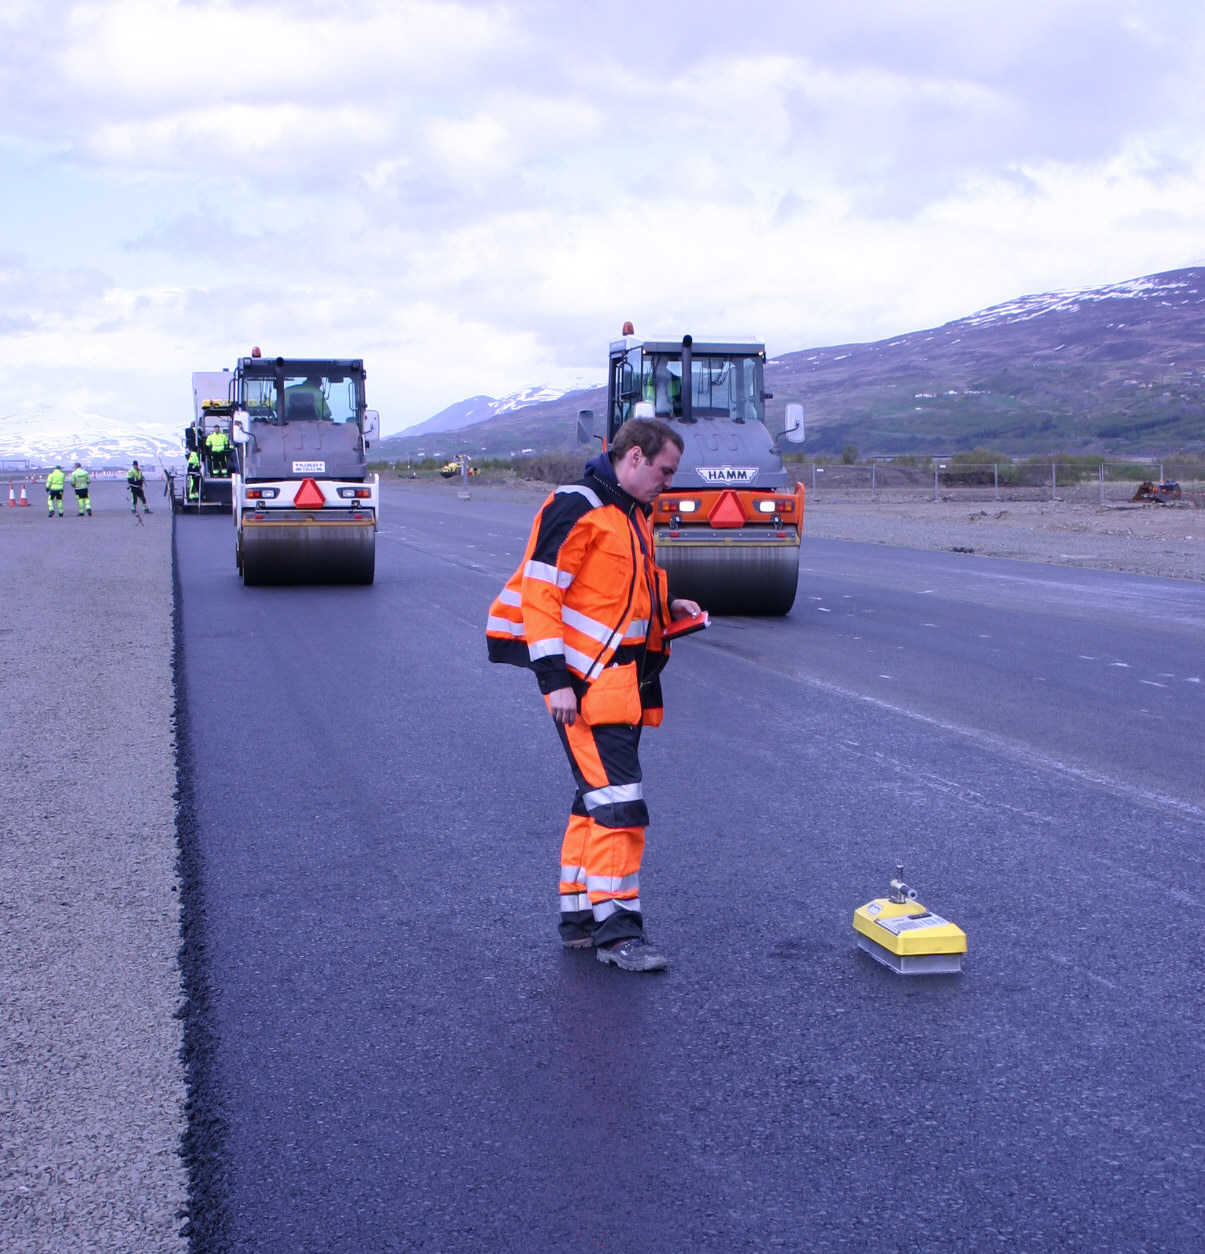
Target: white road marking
{"x": 1014, "y": 749}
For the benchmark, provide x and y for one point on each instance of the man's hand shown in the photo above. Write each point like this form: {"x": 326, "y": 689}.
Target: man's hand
{"x": 562, "y": 705}
{"x": 683, "y": 609}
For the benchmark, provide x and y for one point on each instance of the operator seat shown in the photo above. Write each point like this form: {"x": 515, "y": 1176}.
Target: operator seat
{"x": 300, "y": 407}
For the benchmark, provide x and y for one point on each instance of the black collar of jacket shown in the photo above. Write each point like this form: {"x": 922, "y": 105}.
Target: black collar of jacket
{"x": 601, "y": 476}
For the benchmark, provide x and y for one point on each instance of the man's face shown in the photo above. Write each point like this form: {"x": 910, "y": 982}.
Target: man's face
{"x": 644, "y": 477}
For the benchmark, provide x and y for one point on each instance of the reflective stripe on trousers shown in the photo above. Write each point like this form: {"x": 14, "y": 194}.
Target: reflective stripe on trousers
{"x": 604, "y": 840}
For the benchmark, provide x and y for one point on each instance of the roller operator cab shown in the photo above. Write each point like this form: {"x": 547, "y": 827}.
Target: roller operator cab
{"x": 305, "y": 506}
{"x": 728, "y": 529}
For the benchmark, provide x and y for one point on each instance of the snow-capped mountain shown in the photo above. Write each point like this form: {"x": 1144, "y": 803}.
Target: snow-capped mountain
{"x": 44, "y": 435}
{"x": 1117, "y": 368}
{"x": 475, "y": 409}
{"x": 1164, "y": 288}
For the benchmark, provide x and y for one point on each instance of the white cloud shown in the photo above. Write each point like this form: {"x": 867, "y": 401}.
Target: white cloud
{"x": 475, "y": 196}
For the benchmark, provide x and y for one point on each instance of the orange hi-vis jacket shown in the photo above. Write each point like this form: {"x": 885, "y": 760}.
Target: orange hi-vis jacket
{"x": 587, "y": 605}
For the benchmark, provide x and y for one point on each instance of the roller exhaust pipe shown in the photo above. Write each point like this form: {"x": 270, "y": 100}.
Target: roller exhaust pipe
{"x": 688, "y": 397}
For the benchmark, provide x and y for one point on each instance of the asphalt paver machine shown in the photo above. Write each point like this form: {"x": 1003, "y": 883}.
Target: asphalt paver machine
{"x": 204, "y": 486}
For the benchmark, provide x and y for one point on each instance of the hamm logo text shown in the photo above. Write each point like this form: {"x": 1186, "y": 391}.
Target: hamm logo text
{"x": 727, "y": 474}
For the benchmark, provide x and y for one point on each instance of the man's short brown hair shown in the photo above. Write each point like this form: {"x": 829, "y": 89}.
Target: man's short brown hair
{"x": 649, "y": 435}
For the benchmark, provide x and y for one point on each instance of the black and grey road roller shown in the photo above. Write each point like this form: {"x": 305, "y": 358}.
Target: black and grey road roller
{"x": 305, "y": 506}
{"x": 728, "y": 529}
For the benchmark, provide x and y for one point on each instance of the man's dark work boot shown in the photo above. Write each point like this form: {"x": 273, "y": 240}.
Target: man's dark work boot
{"x": 634, "y": 954}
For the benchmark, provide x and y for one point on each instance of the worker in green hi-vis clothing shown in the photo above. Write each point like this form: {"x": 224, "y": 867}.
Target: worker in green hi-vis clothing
{"x": 54, "y": 490}
{"x": 79, "y": 484}
{"x": 136, "y": 482}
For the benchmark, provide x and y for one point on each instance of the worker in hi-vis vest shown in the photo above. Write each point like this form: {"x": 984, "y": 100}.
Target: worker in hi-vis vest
{"x": 79, "y": 485}
{"x": 54, "y": 490}
{"x": 218, "y": 444}
{"x": 586, "y": 611}
{"x": 136, "y": 483}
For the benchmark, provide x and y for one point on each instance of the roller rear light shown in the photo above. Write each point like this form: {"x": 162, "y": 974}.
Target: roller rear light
{"x": 358, "y": 494}
{"x": 262, "y": 494}
{"x": 729, "y": 508}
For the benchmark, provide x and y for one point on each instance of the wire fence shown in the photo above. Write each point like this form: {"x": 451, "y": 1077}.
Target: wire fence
{"x": 1054, "y": 481}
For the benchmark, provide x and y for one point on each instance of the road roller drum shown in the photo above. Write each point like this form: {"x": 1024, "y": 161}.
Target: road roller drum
{"x": 732, "y": 578}
{"x": 308, "y": 552}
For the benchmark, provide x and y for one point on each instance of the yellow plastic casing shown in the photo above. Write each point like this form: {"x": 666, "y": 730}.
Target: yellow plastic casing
{"x": 929, "y": 934}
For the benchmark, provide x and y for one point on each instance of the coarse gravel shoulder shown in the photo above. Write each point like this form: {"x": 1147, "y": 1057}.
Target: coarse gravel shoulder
{"x": 92, "y": 1089}
{"x": 1167, "y": 541}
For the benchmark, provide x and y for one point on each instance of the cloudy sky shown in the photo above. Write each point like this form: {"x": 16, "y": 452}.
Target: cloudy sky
{"x": 473, "y": 197}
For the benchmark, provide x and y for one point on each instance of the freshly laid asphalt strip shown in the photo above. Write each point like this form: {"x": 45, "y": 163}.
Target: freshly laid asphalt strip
{"x": 92, "y": 1088}
{"x": 391, "y": 1052}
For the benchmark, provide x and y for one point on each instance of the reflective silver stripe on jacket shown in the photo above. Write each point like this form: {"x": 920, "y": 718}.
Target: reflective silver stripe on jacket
{"x": 582, "y": 662}
{"x": 637, "y": 630}
{"x": 573, "y": 875}
{"x": 503, "y": 626}
{"x": 509, "y": 597}
{"x": 581, "y": 490}
{"x": 613, "y": 794}
{"x": 587, "y": 626}
{"x": 547, "y": 574}
{"x": 551, "y": 647}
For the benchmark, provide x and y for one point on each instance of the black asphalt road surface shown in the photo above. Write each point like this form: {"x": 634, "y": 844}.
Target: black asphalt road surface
{"x": 390, "y": 1051}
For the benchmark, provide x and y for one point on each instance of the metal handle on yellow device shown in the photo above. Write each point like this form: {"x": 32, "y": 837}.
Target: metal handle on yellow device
{"x": 899, "y": 890}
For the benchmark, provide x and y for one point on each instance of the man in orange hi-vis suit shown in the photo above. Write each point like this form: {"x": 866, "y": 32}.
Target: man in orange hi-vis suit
{"x": 585, "y": 611}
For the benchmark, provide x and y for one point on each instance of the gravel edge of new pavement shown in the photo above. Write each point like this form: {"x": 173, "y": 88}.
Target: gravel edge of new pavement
{"x": 92, "y": 1088}
{"x": 1164, "y": 541}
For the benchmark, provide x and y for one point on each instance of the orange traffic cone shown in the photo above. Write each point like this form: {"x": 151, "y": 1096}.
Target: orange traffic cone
{"x": 24, "y": 499}
{"x": 12, "y": 496}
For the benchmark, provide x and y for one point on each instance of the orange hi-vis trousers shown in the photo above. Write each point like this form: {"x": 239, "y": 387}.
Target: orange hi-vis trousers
{"x": 604, "y": 841}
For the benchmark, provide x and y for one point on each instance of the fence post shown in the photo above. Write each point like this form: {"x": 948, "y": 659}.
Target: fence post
{"x": 935, "y": 481}
{"x": 872, "y": 481}
{"x": 996, "y": 479}
{"x": 1102, "y": 483}
{"x": 1053, "y": 478}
